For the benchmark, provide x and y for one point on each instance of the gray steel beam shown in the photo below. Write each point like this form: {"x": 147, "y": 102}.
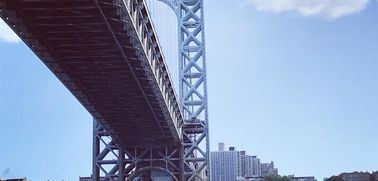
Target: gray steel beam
{"x": 193, "y": 88}
{"x": 193, "y": 159}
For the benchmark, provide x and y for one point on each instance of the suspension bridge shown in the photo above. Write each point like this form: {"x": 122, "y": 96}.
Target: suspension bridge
{"x": 148, "y": 124}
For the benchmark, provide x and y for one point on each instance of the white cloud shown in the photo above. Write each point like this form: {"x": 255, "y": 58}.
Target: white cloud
{"x": 329, "y": 9}
{"x": 7, "y": 34}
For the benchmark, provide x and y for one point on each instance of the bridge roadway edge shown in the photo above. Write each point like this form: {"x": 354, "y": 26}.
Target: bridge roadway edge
{"x": 42, "y": 50}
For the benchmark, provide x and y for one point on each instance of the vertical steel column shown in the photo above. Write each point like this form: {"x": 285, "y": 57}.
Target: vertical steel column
{"x": 113, "y": 162}
{"x": 121, "y": 164}
{"x": 95, "y": 152}
{"x": 193, "y": 88}
{"x": 108, "y": 157}
{"x": 194, "y": 151}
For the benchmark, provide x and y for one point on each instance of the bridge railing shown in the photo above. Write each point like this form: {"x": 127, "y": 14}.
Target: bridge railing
{"x": 153, "y": 53}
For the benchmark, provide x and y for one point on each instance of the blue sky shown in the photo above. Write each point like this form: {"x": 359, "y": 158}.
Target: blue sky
{"x": 290, "y": 81}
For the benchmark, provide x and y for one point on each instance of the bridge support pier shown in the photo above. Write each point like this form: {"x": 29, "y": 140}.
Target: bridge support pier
{"x": 115, "y": 162}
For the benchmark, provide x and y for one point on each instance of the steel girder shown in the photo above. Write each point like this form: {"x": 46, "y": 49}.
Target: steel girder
{"x": 187, "y": 160}
{"x": 190, "y": 160}
{"x": 107, "y": 54}
{"x": 193, "y": 89}
{"x": 114, "y": 162}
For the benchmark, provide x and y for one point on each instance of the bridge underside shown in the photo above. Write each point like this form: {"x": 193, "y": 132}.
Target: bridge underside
{"x": 92, "y": 48}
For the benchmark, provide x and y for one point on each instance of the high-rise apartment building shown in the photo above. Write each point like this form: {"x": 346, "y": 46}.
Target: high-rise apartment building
{"x": 221, "y": 146}
{"x": 255, "y": 166}
{"x": 224, "y": 165}
{"x": 249, "y": 166}
{"x": 268, "y": 169}
{"x": 244, "y": 164}
{"x": 228, "y": 165}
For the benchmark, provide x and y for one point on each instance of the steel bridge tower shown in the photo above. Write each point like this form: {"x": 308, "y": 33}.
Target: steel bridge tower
{"x": 188, "y": 160}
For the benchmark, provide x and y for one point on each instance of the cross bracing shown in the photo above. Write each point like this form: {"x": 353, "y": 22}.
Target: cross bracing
{"x": 106, "y": 52}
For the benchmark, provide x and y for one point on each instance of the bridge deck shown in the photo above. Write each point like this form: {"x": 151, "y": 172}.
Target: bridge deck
{"x": 93, "y": 49}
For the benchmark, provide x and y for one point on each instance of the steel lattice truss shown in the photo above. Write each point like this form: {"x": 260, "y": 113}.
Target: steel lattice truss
{"x": 93, "y": 68}
{"x": 114, "y": 161}
{"x": 193, "y": 88}
{"x": 106, "y": 52}
{"x": 190, "y": 160}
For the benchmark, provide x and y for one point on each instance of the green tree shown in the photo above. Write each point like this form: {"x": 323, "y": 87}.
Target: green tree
{"x": 275, "y": 177}
{"x": 285, "y": 178}
{"x": 272, "y": 177}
